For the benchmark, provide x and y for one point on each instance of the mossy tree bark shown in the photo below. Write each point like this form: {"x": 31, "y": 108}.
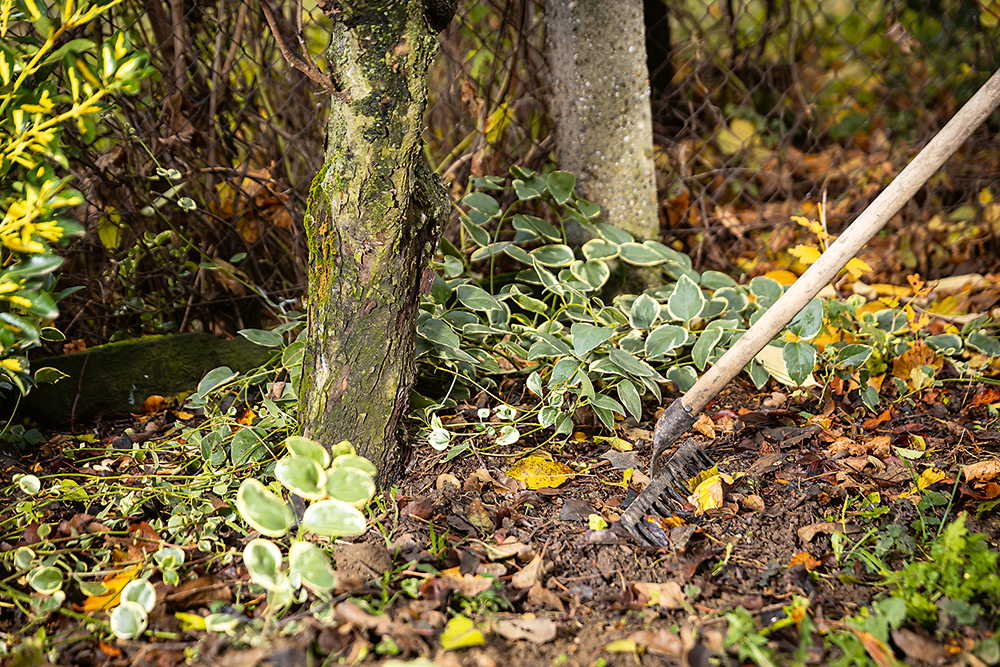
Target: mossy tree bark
{"x": 373, "y": 219}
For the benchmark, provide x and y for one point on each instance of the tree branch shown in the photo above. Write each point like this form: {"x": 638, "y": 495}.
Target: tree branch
{"x": 308, "y": 68}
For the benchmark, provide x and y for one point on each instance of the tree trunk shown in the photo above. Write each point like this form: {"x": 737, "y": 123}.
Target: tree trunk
{"x": 604, "y": 134}
{"x": 373, "y": 218}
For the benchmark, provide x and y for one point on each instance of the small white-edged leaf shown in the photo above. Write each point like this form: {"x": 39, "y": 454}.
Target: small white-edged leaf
{"x": 299, "y": 446}
{"x": 313, "y": 566}
{"x": 263, "y": 510}
{"x": 263, "y": 562}
{"x": 333, "y": 518}
{"x": 129, "y": 620}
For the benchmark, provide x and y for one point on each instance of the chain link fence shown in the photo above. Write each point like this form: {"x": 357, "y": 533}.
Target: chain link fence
{"x": 762, "y": 108}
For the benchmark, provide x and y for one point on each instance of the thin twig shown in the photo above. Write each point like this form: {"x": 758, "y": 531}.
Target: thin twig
{"x": 310, "y": 69}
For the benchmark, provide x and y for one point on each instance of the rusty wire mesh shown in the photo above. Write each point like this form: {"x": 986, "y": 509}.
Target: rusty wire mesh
{"x": 759, "y": 108}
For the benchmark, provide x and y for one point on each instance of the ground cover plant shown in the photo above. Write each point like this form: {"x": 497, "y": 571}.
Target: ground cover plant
{"x": 851, "y": 517}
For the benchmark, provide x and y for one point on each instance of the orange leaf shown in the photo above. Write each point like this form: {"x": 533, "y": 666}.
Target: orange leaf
{"x": 114, "y": 582}
{"x": 806, "y": 558}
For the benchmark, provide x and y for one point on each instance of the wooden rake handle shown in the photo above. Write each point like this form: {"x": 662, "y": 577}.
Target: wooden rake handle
{"x": 886, "y": 205}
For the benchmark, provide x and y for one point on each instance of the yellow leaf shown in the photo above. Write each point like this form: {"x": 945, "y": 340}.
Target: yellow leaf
{"x": 596, "y": 522}
{"x": 461, "y": 632}
{"x": 622, "y": 646}
{"x": 782, "y": 276}
{"x": 856, "y": 267}
{"x": 114, "y": 582}
{"x": 929, "y": 477}
{"x": 707, "y": 495}
{"x": 538, "y": 473}
{"x": 190, "y": 621}
{"x": 806, "y": 254}
{"x": 738, "y": 135}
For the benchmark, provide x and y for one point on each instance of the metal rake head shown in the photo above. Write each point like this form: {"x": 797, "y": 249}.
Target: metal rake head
{"x": 669, "y": 486}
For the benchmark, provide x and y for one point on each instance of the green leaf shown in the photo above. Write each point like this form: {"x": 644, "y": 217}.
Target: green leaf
{"x": 613, "y": 234}
{"x": 264, "y": 511}
{"x": 555, "y": 255}
{"x": 128, "y": 620}
{"x": 586, "y": 337}
{"x": 141, "y": 592}
{"x": 357, "y": 462}
{"x": 853, "y": 355}
{"x": 597, "y": 249}
{"x": 35, "y": 266}
{"x": 800, "y": 359}
{"x": 439, "y": 333}
{"x": 758, "y": 373}
{"x": 588, "y": 209}
{"x": 703, "y": 347}
{"x": 945, "y": 343}
{"x": 630, "y": 364}
{"x": 299, "y": 446}
{"x": 492, "y": 250}
{"x": 313, "y": 567}
{"x": 766, "y": 290}
{"x": 984, "y": 343}
{"x": 686, "y": 301}
{"x": 629, "y": 396}
{"x": 714, "y": 280}
{"x": 333, "y": 518}
{"x": 644, "y": 313}
{"x": 350, "y": 485}
{"x": 565, "y": 371}
{"x": 548, "y": 346}
{"x": 560, "y": 184}
{"x": 476, "y": 298}
{"x": 46, "y": 580}
{"x": 683, "y": 376}
{"x": 247, "y": 445}
{"x": 29, "y": 331}
{"x": 639, "y": 255}
{"x": 262, "y": 338}
{"x": 478, "y": 234}
{"x": 669, "y": 254}
{"x": 665, "y": 338}
{"x": 592, "y": 272}
{"x": 262, "y": 559}
{"x": 530, "y": 189}
{"x": 214, "y": 379}
{"x": 483, "y": 203}
{"x": 532, "y": 225}
{"x": 302, "y": 476}
{"x": 808, "y": 322}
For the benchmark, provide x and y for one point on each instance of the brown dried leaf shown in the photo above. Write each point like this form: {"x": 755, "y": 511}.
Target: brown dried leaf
{"x": 528, "y": 575}
{"x": 984, "y": 471}
{"x": 667, "y": 595}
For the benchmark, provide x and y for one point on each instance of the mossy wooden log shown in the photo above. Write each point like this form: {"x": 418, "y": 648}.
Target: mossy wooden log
{"x": 118, "y": 377}
{"x": 373, "y": 219}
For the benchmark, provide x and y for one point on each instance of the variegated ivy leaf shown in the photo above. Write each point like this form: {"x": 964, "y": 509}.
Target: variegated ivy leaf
{"x": 686, "y": 301}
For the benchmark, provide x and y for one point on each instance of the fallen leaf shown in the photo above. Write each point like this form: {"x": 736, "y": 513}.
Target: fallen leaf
{"x": 704, "y": 426}
{"x": 806, "y": 558}
{"x": 667, "y": 595}
{"x": 929, "y": 477}
{"x": 984, "y": 471}
{"x": 114, "y": 582}
{"x": 918, "y": 648}
{"x": 707, "y": 495}
{"x": 540, "y": 597}
{"x": 528, "y": 575}
{"x": 535, "y": 630}
{"x": 461, "y": 632}
{"x": 536, "y": 472}
{"x": 754, "y": 503}
{"x": 468, "y": 585}
{"x": 622, "y": 646}
{"x": 662, "y": 642}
